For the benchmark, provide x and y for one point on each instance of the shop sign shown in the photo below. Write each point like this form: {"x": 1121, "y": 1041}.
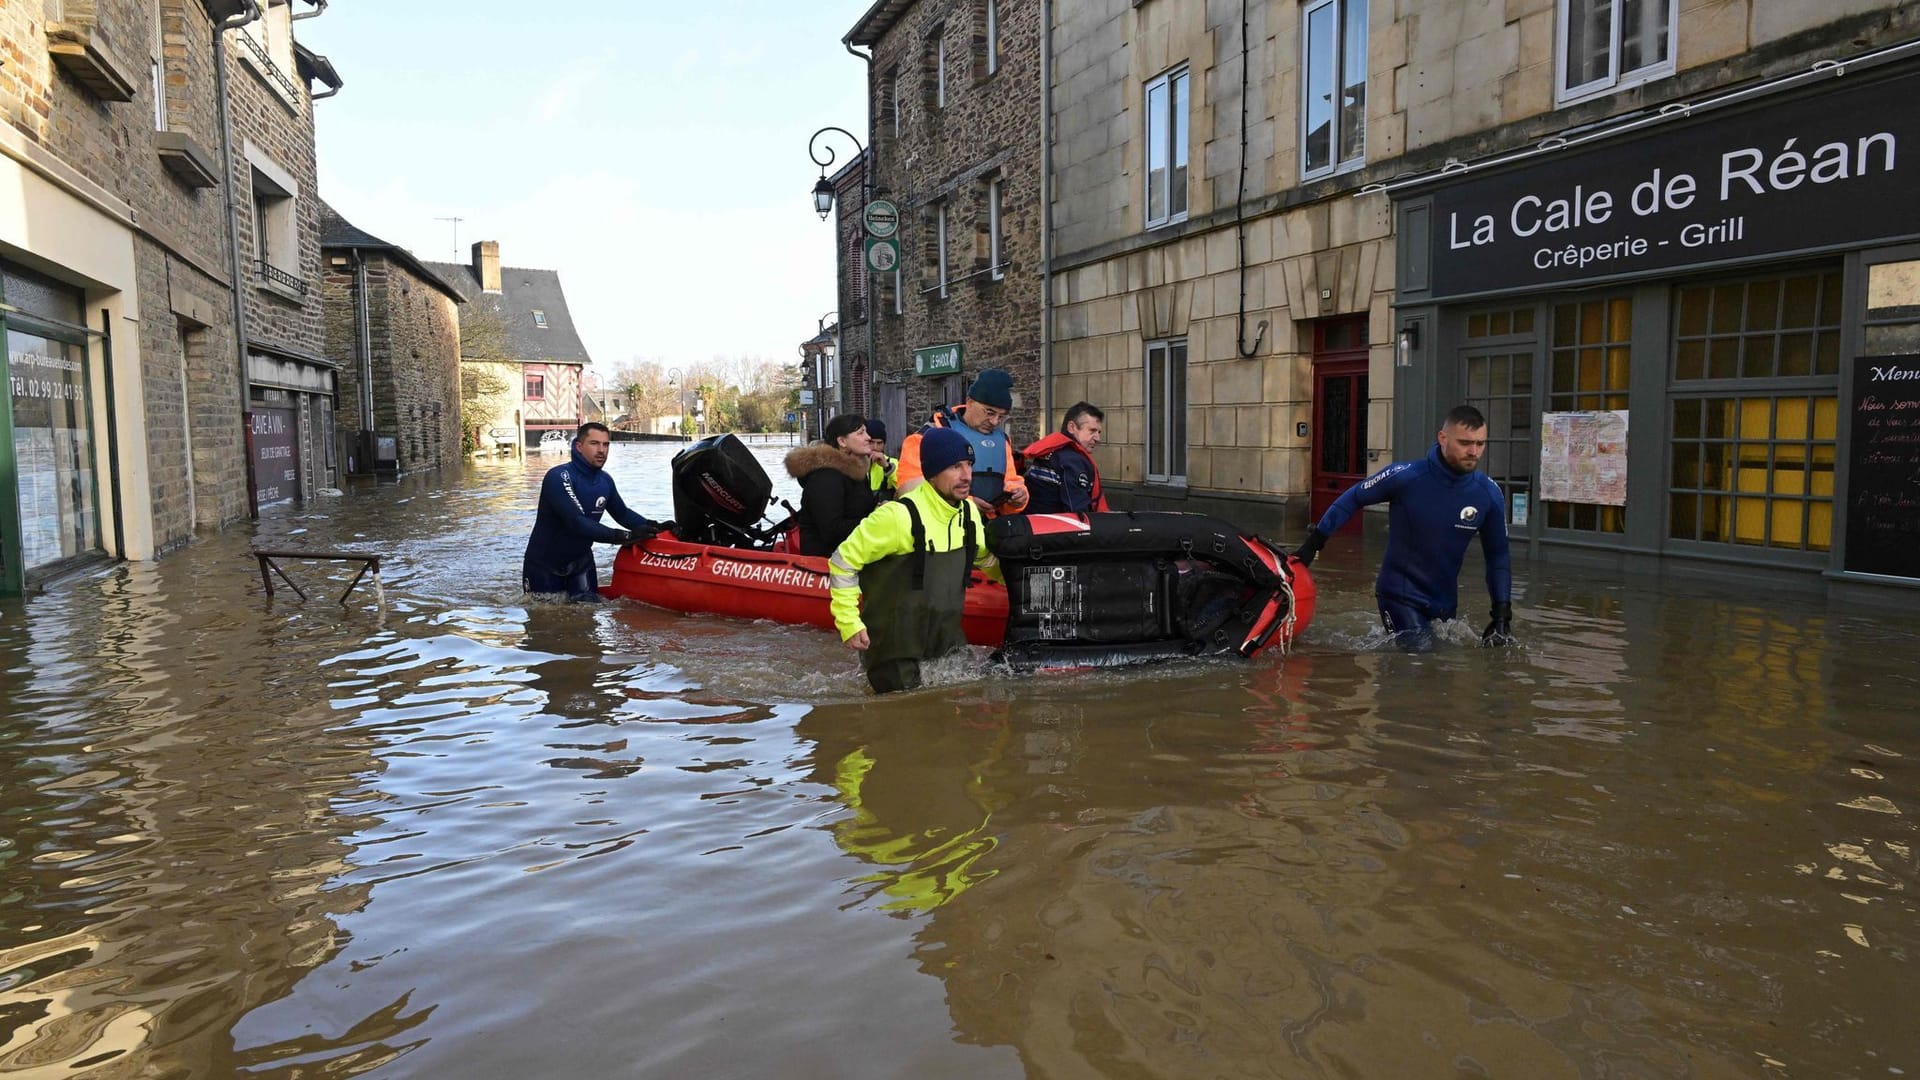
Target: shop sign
{"x": 883, "y": 256}
{"x": 275, "y": 459}
{"x": 937, "y": 360}
{"x": 1833, "y": 169}
{"x": 882, "y": 218}
{"x": 1883, "y": 467}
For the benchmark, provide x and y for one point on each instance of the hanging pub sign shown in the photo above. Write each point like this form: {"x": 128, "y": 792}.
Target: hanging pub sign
{"x": 1832, "y": 169}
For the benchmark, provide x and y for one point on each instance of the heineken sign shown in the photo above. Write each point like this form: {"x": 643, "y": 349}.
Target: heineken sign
{"x": 937, "y": 360}
{"x": 882, "y": 218}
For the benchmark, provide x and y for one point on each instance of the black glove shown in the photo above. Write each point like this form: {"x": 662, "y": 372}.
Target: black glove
{"x": 668, "y": 526}
{"x": 1500, "y": 630}
{"x": 622, "y": 537}
{"x": 1310, "y": 547}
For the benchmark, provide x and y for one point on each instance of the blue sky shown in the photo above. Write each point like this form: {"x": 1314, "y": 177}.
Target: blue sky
{"x": 653, "y": 152}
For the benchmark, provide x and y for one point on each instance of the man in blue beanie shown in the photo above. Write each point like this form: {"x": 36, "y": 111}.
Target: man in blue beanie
{"x": 559, "y": 556}
{"x": 998, "y": 487}
{"x": 898, "y": 584}
{"x": 881, "y": 475}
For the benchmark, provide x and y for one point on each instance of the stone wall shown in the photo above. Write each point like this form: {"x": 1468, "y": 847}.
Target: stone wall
{"x": 415, "y": 336}
{"x": 272, "y": 114}
{"x": 989, "y": 128}
{"x": 182, "y": 346}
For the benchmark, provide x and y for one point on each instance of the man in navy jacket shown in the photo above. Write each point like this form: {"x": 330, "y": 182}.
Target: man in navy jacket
{"x": 1439, "y": 505}
{"x": 559, "y": 555}
{"x": 1061, "y": 474}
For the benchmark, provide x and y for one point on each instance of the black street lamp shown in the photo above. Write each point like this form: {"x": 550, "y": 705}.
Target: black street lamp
{"x": 823, "y": 196}
{"x": 823, "y": 156}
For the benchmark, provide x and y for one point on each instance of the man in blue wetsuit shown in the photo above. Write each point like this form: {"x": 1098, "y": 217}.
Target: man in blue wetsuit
{"x": 559, "y": 555}
{"x": 1439, "y": 505}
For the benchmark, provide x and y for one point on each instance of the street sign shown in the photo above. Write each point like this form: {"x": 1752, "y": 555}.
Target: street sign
{"x": 882, "y": 218}
{"x": 882, "y": 255}
{"x": 937, "y": 360}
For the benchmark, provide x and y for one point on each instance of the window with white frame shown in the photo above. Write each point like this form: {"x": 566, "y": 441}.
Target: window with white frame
{"x": 939, "y": 71}
{"x": 1166, "y": 412}
{"x": 940, "y": 248}
{"x": 1333, "y": 87}
{"x": 1608, "y": 45}
{"x": 157, "y": 70}
{"x": 993, "y": 36}
{"x": 996, "y": 236}
{"x": 276, "y": 237}
{"x": 539, "y": 318}
{"x": 893, "y": 100}
{"x": 1167, "y": 148}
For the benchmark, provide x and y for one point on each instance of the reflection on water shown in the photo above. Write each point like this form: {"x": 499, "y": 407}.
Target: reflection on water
{"x": 463, "y": 835}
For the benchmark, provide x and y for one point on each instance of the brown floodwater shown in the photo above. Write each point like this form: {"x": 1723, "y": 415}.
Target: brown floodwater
{"x": 460, "y": 835}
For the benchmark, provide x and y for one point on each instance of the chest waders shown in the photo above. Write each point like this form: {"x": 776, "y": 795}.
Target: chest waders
{"x": 912, "y": 605}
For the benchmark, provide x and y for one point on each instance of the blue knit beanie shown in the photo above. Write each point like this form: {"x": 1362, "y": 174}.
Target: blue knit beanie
{"x": 876, "y": 429}
{"x": 940, "y": 448}
{"x": 993, "y": 388}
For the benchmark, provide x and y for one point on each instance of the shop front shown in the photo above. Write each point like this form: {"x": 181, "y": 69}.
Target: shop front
{"x": 1696, "y": 337}
{"x": 290, "y": 437}
{"x": 50, "y": 511}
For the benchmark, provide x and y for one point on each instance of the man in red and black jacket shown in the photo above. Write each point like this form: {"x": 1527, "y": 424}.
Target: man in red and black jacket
{"x": 1061, "y": 475}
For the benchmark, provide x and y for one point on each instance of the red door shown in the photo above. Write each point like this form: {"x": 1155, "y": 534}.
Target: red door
{"x": 1340, "y": 412}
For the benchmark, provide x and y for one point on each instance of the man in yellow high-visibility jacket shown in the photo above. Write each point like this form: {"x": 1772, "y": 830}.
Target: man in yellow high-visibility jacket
{"x": 910, "y": 560}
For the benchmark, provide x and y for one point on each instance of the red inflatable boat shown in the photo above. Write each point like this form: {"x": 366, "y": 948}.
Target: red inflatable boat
{"x": 762, "y": 585}
{"x": 1091, "y": 590}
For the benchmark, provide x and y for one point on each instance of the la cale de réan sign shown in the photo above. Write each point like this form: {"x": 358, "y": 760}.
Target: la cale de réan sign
{"x": 1837, "y": 168}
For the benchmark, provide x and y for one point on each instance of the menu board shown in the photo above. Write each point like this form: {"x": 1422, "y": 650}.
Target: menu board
{"x": 1883, "y": 467}
{"x": 1583, "y": 457}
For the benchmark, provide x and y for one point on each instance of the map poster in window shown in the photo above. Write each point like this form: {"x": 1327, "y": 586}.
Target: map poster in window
{"x": 1583, "y": 457}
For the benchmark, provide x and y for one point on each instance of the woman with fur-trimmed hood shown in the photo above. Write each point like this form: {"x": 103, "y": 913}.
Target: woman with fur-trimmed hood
{"x": 834, "y": 490}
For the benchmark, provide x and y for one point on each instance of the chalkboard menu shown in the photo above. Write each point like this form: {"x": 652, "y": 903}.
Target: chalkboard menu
{"x": 1883, "y": 477}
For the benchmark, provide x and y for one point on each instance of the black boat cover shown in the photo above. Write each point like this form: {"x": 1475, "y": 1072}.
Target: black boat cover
{"x": 1098, "y": 590}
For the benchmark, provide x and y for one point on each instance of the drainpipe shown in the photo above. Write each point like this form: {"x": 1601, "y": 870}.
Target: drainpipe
{"x": 1046, "y": 215}
{"x": 363, "y": 341}
{"x": 1246, "y": 351}
{"x": 113, "y": 436}
{"x": 250, "y": 10}
{"x": 318, "y": 7}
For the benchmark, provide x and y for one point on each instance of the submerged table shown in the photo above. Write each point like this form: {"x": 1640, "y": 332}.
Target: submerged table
{"x": 369, "y": 563}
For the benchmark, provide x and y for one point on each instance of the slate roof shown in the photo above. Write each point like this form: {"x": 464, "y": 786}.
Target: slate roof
{"x": 338, "y": 233}
{"x": 522, "y": 292}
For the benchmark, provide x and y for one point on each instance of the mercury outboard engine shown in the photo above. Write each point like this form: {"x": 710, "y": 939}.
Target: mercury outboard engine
{"x": 720, "y": 494}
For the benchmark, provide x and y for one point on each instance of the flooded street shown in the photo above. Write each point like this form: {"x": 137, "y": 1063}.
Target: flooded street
{"x": 465, "y": 836}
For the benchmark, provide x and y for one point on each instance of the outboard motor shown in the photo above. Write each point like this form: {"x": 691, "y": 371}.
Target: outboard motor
{"x": 720, "y": 494}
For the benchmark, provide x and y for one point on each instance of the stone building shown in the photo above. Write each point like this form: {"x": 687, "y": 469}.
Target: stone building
{"x": 290, "y": 379}
{"x": 125, "y": 419}
{"x": 515, "y": 327}
{"x": 396, "y": 326}
{"x": 954, "y": 93}
{"x": 1699, "y": 221}
{"x": 1206, "y": 274}
{"x": 1287, "y": 236}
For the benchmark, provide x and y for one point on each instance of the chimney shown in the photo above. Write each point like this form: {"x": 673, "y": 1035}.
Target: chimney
{"x": 486, "y": 264}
